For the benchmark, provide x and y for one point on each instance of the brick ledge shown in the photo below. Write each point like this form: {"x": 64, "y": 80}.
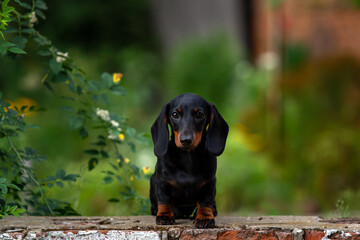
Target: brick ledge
{"x": 144, "y": 227}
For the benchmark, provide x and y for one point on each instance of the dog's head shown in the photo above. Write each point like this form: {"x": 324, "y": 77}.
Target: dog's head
{"x": 191, "y": 119}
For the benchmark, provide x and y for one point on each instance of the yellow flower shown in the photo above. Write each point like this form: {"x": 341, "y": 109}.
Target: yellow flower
{"x": 118, "y": 160}
{"x": 5, "y": 109}
{"x": 127, "y": 160}
{"x": 117, "y": 77}
{"x": 146, "y": 169}
{"x": 121, "y": 136}
{"x": 18, "y": 103}
{"x": 132, "y": 178}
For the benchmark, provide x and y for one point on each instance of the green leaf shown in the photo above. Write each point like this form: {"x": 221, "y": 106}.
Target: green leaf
{"x": 3, "y": 189}
{"x": 92, "y": 163}
{"x": 3, "y": 50}
{"x": 104, "y": 154}
{"x": 91, "y": 151}
{"x": 79, "y": 90}
{"x": 131, "y": 132}
{"x": 26, "y": 5}
{"x": 60, "y": 77}
{"x": 100, "y": 143}
{"x": 49, "y": 179}
{"x": 60, "y": 184}
{"x": 71, "y": 85}
{"x": 41, "y": 4}
{"x": 29, "y": 31}
{"x": 117, "y": 90}
{"x": 55, "y": 66}
{"x": 107, "y": 180}
{"x": 132, "y": 146}
{"x": 83, "y": 133}
{"x": 20, "y": 41}
{"x": 60, "y": 174}
{"x": 48, "y": 86}
{"x": 75, "y": 122}
{"x": 8, "y": 10}
{"x": 114, "y": 200}
{"x": 5, "y": 3}
{"x": 71, "y": 177}
{"x": 30, "y": 151}
{"x": 7, "y": 44}
{"x": 18, "y": 1}
{"x": 40, "y": 14}
{"x": 106, "y": 80}
{"x": 16, "y": 50}
{"x": 44, "y": 53}
{"x": 93, "y": 86}
{"x": 120, "y": 179}
{"x": 114, "y": 167}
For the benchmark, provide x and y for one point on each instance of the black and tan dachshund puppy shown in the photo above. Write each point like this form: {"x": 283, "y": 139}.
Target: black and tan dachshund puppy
{"x": 184, "y": 177}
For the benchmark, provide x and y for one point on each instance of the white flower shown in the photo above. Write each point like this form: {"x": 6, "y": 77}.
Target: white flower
{"x": 115, "y": 134}
{"x": 114, "y": 123}
{"x": 111, "y": 135}
{"x": 103, "y": 114}
{"x": 33, "y": 19}
{"x": 61, "y": 57}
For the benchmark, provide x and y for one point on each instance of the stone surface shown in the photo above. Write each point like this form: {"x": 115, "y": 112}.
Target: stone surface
{"x": 144, "y": 227}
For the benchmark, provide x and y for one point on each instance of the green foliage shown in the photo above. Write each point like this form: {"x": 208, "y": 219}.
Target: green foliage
{"x": 5, "y": 209}
{"x": 356, "y": 3}
{"x": 5, "y": 16}
{"x": 342, "y": 210}
{"x": 204, "y": 67}
{"x": 85, "y": 102}
{"x": 294, "y": 56}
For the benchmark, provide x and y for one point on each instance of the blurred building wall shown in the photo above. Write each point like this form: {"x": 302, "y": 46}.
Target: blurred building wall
{"x": 178, "y": 20}
{"x": 325, "y": 27}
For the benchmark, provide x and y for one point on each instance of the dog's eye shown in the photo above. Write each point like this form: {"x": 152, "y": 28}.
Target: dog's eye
{"x": 175, "y": 115}
{"x": 199, "y": 115}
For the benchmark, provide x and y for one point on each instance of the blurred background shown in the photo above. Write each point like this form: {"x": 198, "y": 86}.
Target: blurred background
{"x": 284, "y": 74}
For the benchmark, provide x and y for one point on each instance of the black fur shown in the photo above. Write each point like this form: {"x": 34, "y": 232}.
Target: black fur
{"x": 185, "y": 171}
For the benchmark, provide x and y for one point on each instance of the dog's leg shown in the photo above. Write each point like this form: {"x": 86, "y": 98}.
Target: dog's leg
{"x": 165, "y": 215}
{"x": 153, "y": 199}
{"x": 205, "y": 211}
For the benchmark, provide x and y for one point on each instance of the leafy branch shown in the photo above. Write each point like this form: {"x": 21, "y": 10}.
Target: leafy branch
{"x": 87, "y": 102}
{"x": 29, "y": 173}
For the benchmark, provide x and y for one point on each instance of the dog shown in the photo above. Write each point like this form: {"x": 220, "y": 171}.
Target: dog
{"x": 183, "y": 183}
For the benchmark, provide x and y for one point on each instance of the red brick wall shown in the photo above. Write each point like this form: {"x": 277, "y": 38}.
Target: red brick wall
{"x": 330, "y": 27}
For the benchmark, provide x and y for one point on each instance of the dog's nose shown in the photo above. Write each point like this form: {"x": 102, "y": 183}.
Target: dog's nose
{"x": 186, "y": 141}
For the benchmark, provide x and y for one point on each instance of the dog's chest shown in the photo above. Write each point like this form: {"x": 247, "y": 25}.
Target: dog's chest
{"x": 188, "y": 172}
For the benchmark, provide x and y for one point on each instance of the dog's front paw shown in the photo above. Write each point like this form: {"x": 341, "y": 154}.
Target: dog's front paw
{"x": 204, "y": 223}
{"x": 204, "y": 217}
{"x": 165, "y": 220}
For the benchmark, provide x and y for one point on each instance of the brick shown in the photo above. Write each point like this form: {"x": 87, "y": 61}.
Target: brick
{"x": 205, "y": 234}
{"x": 229, "y": 234}
{"x": 313, "y": 235}
{"x": 284, "y": 235}
{"x": 143, "y": 227}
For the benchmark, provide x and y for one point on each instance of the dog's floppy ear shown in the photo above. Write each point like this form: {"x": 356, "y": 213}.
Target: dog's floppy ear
{"x": 217, "y": 132}
{"x": 160, "y": 133}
